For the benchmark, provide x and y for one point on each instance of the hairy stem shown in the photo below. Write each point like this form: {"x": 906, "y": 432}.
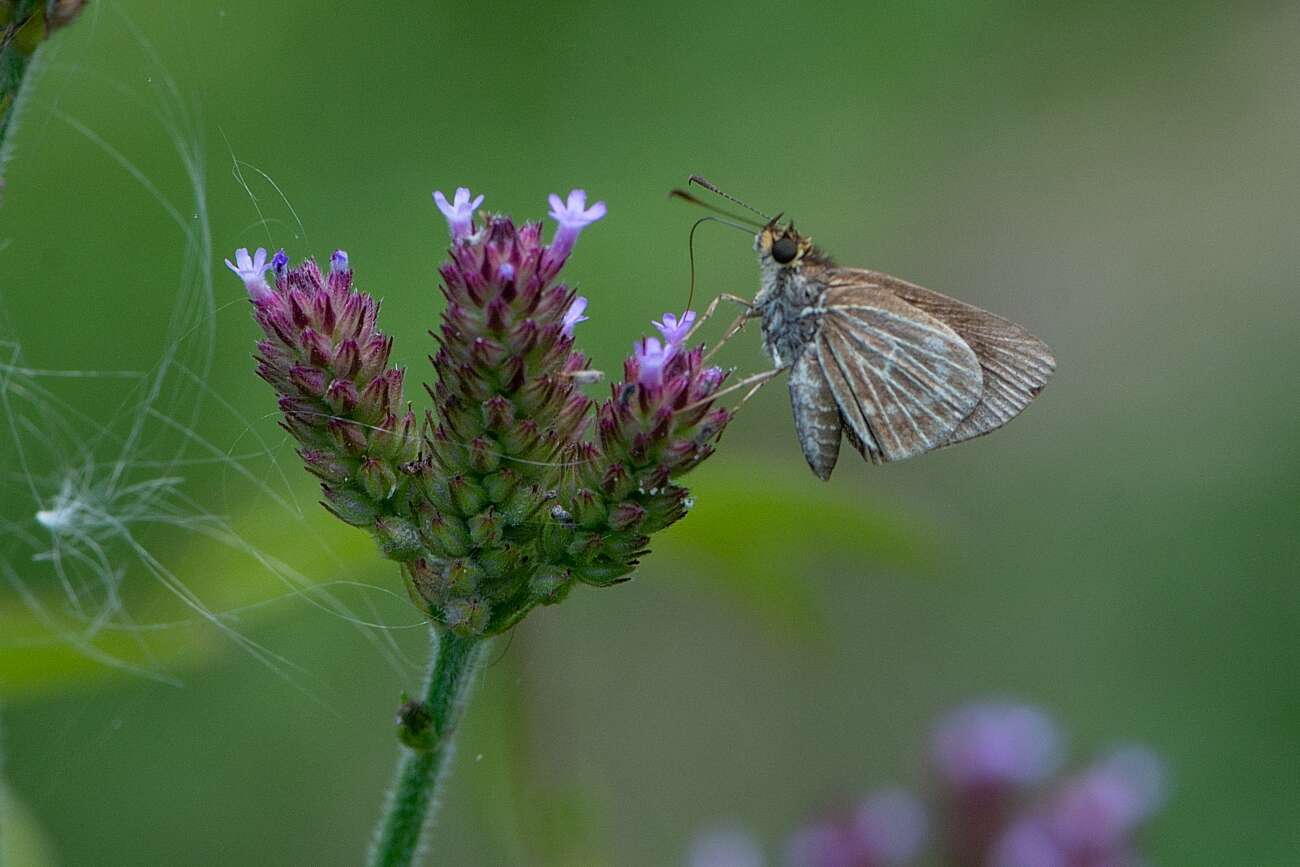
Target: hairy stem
{"x": 427, "y": 729}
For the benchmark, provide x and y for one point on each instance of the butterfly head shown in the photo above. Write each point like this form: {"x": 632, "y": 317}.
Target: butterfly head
{"x": 781, "y": 246}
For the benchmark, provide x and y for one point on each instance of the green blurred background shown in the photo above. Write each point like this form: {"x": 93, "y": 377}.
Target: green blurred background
{"x": 1123, "y": 178}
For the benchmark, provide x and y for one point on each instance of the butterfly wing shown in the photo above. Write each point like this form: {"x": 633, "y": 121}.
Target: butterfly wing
{"x": 1016, "y": 365}
{"x": 902, "y": 379}
{"x": 816, "y": 417}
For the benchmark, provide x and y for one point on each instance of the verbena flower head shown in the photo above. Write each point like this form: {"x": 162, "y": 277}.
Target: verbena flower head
{"x": 502, "y": 502}
{"x": 459, "y": 211}
{"x": 1088, "y": 819}
{"x": 340, "y": 398}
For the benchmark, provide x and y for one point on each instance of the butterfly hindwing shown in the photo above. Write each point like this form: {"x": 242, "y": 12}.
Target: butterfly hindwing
{"x": 902, "y": 379}
{"x": 1015, "y": 364}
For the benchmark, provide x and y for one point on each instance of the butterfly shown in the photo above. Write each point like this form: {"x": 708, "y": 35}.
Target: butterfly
{"x": 898, "y": 369}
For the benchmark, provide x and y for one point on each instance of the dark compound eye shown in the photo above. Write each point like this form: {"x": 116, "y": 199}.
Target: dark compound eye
{"x": 784, "y": 250}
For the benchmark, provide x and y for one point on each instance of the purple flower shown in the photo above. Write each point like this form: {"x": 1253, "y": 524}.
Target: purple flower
{"x": 996, "y": 745}
{"x": 823, "y": 845}
{"x": 573, "y": 316}
{"x": 572, "y": 216}
{"x": 1029, "y": 843}
{"x": 651, "y": 356}
{"x": 1100, "y": 808}
{"x": 887, "y": 829}
{"x": 675, "y": 330}
{"x": 1091, "y": 820}
{"x": 280, "y": 263}
{"x": 339, "y": 261}
{"x": 252, "y": 270}
{"x": 890, "y": 827}
{"x": 725, "y": 847}
{"x": 459, "y": 211}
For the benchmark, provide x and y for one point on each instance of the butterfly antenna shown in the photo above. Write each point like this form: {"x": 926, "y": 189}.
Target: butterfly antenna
{"x": 690, "y": 249}
{"x": 687, "y": 196}
{"x": 708, "y": 185}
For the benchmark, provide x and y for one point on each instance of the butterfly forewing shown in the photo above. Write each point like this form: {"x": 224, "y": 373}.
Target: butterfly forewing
{"x": 903, "y": 380}
{"x": 1015, "y": 364}
{"x": 816, "y": 417}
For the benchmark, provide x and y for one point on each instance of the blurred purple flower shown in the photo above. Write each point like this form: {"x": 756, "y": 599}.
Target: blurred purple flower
{"x": 826, "y": 844}
{"x": 252, "y": 270}
{"x": 1029, "y": 843}
{"x": 573, "y": 316}
{"x": 459, "y": 211}
{"x": 1091, "y": 820}
{"x": 1101, "y": 807}
{"x": 887, "y": 829}
{"x": 890, "y": 826}
{"x": 996, "y": 745}
{"x": 725, "y": 847}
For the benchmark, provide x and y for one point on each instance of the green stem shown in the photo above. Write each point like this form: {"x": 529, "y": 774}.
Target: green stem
{"x": 5, "y": 821}
{"x": 427, "y": 728}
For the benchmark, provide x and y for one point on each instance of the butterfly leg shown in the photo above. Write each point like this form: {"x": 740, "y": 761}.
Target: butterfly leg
{"x": 734, "y": 328}
{"x": 752, "y": 383}
{"x": 713, "y": 307}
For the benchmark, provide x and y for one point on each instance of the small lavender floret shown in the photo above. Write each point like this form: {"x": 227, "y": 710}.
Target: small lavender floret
{"x": 571, "y": 216}
{"x": 651, "y": 356}
{"x": 339, "y": 261}
{"x": 459, "y": 211}
{"x": 252, "y": 270}
{"x": 675, "y": 330}
{"x": 573, "y": 316}
{"x": 279, "y": 263}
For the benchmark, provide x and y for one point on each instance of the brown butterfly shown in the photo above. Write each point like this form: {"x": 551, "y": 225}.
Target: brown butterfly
{"x": 900, "y": 369}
